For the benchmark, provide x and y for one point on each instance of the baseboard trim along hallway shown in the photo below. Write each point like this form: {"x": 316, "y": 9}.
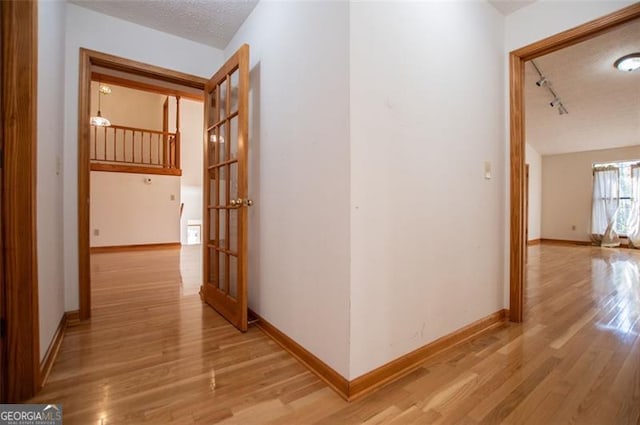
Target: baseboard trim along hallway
{"x": 387, "y": 373}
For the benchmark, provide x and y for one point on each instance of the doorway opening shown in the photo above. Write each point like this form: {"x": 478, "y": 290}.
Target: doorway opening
{"x": 518, "y": 214}
{"x": 109, "y": 69}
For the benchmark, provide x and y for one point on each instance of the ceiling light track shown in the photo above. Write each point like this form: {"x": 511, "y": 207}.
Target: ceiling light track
{"x": 556, "y": 102}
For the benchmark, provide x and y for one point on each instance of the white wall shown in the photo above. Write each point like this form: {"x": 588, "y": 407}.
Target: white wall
{"x": 418, "y": 190}
{"x": 567, "y": 184}
{"x": 51, "y": 27}
{"x": 299, "y": 161}
{"x": 110, "y": 35}
{"x": 533, "y": 158}
{"x": 191, "y": 124}
{"x": 128, "y": 211}
{"x": 129, "y": 107}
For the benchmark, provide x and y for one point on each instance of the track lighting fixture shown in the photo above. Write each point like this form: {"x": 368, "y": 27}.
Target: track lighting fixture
{"x": 543, "y": 82}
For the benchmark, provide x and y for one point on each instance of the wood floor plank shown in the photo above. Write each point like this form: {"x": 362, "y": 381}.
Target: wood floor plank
{"x": 153, "y": 353}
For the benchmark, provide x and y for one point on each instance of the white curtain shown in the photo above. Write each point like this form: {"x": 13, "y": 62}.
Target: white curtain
{"x": 633, "y": 223}
{"x": 606, "y": 187}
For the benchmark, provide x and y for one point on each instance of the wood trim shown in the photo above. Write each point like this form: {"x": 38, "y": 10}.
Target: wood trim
{"x": 565, "y": 242}
{"x": 52, "y": 352}
{"x": 385, "y": 374}
{"x": 578, "y": 34}
{"x": 401, "y": 366}
{"x": 69, "y": 318}
{"x": 19, "y": 114}
{"x": 117, "y": 168}
{"x": 332, "y": 378}
{"x": 106, "y": 60}
{"x": 89, "y": 58}
{"x": 138, "y": 85}
{"x": 517, "y": 58}
{"x": 135, "y": 247}
{"x": 73, "y": 317}
{"x": 533, "y": 242}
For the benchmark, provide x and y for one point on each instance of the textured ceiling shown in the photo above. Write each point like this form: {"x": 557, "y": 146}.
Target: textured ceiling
{"x": 211, "y": 22}
{"x": 507, "y": 7}
{"x": 603, "y": 103}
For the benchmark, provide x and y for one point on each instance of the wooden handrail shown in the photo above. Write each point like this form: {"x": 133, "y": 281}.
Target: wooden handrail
{"x": 143, "y": 130}
{"x": 132, "y": 146}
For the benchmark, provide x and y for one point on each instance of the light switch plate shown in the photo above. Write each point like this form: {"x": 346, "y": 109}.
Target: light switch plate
{"x": 487, "y": 170}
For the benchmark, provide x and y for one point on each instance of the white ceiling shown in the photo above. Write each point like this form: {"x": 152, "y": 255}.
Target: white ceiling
{"x": 211, "y": 22}
{"x": 603, "y": 103}
{"x": 507, "y": 7}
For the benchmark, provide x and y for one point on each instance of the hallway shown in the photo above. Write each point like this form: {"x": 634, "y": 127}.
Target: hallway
{"x": 153, "y": 353}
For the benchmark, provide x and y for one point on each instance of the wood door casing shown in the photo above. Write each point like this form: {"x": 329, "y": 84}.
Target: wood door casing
{"x": 225, "y": 187}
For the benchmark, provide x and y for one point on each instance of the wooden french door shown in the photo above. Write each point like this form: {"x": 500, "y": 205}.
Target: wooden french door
{"x": 226, "y": 189}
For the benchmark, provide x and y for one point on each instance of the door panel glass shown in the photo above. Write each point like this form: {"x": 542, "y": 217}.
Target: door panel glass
{"x": 213, "y": 193}
{"x": 222, "y": 269}
{"x": 233, "y": 231}
{"x": 233, "y": 184}
{"x": 223, "y": 99}
{"x": 233, "y": 138}
{"x": 211, "y": 145}
{"x": 235, "y": 80}
{"x": 222, "y": 143}
{"x": 233, "y": 276}
{"x": 212, "y": 228}
{"x": 212, "y": 105}
{"x": 222, "y": 229}
{"x": 213, "y": 255}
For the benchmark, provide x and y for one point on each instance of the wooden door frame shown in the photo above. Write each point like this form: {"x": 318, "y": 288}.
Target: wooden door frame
{"x": 517, "y": 59}
{"x": 18, "y": 222}
{"x": 89, "y": 58}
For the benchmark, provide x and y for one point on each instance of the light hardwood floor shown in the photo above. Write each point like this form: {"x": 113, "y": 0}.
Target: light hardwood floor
{"x": 153, "y": 354}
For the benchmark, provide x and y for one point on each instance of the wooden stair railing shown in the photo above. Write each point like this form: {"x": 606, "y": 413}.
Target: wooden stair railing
{"x": 121, "y": 146}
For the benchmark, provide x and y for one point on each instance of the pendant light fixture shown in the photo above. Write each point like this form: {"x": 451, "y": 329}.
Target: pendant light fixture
{"x": 99, "y": 120}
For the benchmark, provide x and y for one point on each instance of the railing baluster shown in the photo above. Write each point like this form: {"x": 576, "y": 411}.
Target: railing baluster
{"x": 162, "y": 147}
{"x": 105, "y": 143}
{"x": 95, "y": 143}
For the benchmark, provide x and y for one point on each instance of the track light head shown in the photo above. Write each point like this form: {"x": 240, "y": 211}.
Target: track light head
{"x": 555, "y": 102}
{"x": 562, "y": 110}
{"x": 542, "y": 82}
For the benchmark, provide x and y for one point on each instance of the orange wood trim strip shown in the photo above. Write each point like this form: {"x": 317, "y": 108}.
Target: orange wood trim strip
{"x": 534, "y": 242}
{"x": 565, "y": 242}
{"x": 116, "y": 168}
{"x": 84, "y": 182}
{"x": 141, "y": 130}
{"x": 72, "y": 317}
{"x": 517, "y": 179}
{"x": 68, "y": 318}
{"x": 578, "y": 34}
{"x": 332, "y": 378}
{"x": 401, "y": 366}
{"x": 135, "y": 247}
{"x": 106, "y": 60}
{"x": 138, "y": 85}
{"x": 21, "y": 366}
{"x": 52, "y": 351}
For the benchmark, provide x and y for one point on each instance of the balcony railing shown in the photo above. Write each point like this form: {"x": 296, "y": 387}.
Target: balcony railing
{"x": 121, "y": 148}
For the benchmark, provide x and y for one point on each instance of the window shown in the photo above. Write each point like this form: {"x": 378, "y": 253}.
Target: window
{"x": 625, "y": 189}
